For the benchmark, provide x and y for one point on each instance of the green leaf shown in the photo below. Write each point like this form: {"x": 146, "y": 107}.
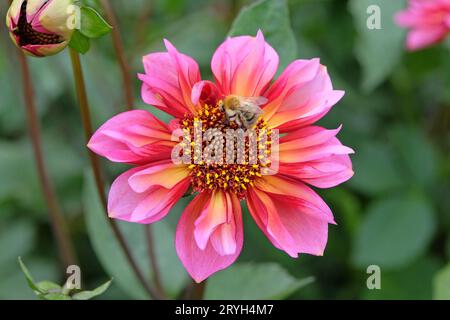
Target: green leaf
{"x": 347, "y": 205}
{"x": 394, "y": 232}
{"x": 13, "y": 286}
{"x": 411, "y": 283}
{"x": 86, "y": 295}
{"x": 54, "y": 296}
{"x": 79, "y": 42}
{"x": 17, "y": 159}
{"x": 376, "y": 169}
{"x": 418, "y": 156}
{"x": 106, "y": 245}
{"x": 193, "y": 35}
{"x": 378, "y": 50}
{"x": 111, "y": 255}
{"x": 16, "y": 238}
{"x": 49, "y": 287}
{"x": 272, "y": 17}
{"x": 441, "y": 284}
{"x": 29, "y": 278}
{"x": 92, "y": 24}
{"x": 253, "y": 281}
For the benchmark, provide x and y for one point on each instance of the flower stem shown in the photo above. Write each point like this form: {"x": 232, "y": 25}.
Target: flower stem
{"x": 193, "y": 291}
{"x": 87, "y": 125}
{"x": 153, "y": 261}
{"x": 198, "y": 290}
{"x": 58, "y": 223}
{"x": 120, "y": 53}
{"x": 129, "y": 99}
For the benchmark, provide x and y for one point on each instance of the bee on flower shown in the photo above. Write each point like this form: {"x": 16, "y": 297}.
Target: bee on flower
{"x": 209, "y": 236}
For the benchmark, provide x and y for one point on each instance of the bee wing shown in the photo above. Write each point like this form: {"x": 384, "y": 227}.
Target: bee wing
{"x": 259, "y": 101}
{"x": 249, "y": 113}
{"x": 249, "y": 107}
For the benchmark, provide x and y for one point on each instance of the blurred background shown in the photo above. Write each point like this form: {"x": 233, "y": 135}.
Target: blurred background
{"x": 394, "y": 213}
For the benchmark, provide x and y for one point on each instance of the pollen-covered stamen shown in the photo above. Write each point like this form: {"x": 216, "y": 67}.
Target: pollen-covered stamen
{"x": 237, "y": 176}
{"x": 28, "y": 36}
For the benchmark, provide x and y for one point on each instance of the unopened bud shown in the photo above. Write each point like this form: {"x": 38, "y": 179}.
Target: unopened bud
{"x": 41, "y": 27}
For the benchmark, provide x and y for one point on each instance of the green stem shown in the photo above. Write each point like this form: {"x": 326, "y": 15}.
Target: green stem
{"x": 198, "y": 290}
{"x": 153, "y": 261}
{"x": 95, "y": 164}
{"x": 58, "y": 223}
{"x": 129, "y": 98}
{"x": 120, "y": 53}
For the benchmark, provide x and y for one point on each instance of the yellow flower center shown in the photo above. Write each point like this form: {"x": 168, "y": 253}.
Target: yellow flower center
{"x": 236, "y": 175}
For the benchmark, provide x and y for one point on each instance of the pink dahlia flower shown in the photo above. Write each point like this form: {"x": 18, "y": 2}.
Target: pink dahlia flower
{"x": 209, "y": 235}
{"x": 428, "y": 21}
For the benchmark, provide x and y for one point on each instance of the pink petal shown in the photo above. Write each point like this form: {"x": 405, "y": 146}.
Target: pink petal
{"x": 315, "y": 114}
{"x": 135, "y": 137}
{"x": 205, "y": 92}
{"x": 406, "y": 19}
{"x": 146, "y": 207}
{"x": 168, "y": 81}
{"x": 285, "y": 186}
{"x": 307, "y": 137}
{"x": 310, "y": 143}
{"x": 428, "y": 22}
{"x": 421, "y": 38}
{"x": 37, "y": 10}
{"x": 327, "y": 172}
{"x": 333, "y": 147}
{"x": 300, "y": 96}
{"x": 315, "y": 156}
{"x": 165, "y": 174}
{"x": 209, "y": 235}
{"x": 293, "y": 217}
{"x": 297, "y": 73}
{"x": 244, "y": 65}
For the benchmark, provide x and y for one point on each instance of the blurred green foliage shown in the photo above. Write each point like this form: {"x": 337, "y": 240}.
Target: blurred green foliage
{"x": 394, "y": 213}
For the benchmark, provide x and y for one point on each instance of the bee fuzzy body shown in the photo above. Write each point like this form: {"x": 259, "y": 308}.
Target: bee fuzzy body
{"x": 244, "y": 111}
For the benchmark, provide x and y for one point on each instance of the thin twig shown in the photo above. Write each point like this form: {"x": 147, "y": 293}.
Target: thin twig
{"x": 142, "y": 25}
{"x": 125, "y": 69}
{"x": 59, "y": 226}
{"x": 120, "y": 53}
{"x": 153, "y": 260}
{"x": 87, "y": 125}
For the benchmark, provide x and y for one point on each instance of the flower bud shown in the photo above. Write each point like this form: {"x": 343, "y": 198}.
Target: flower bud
{"x": 41, "y": 27}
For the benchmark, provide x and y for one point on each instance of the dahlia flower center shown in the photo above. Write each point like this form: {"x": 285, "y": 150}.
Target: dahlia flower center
{"x": 240, "y": 161}
{"x": 28, "y": 36}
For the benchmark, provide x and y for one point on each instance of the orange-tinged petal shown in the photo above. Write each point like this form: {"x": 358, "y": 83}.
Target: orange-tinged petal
{"x": 315, "y": 156}
{"x": 291, "y": 215}
{"x": 300, "y": 96}
{"x": 165, "y": 174}
{"x": 244, "y": 65}
{"x": 149, "y": 206}
{"x": 135, "y": 137}
{"x": 209, "y": 238}
{"x": 168, "y": 81}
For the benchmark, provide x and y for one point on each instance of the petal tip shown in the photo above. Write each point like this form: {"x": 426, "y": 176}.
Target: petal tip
{"x": 260, "y": 34}
{"x": 169, "y": 46}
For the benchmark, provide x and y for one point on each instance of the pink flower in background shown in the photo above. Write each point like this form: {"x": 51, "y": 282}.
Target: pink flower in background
{"x": 428, "y": 21}
{"x": 209, "y": 235}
